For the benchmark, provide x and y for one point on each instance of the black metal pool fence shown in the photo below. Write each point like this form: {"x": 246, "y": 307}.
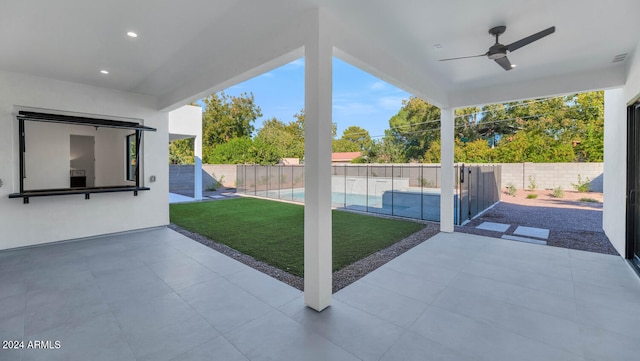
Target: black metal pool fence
{"x": 404, "y": 190}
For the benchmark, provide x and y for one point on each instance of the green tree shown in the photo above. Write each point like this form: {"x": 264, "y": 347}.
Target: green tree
{"x": 535, "y": 145}
{"x": 235, "y": 151}
{"x": 387, "y": 150}
{"x": 181, "y": 151}
{"x": 226, "y": 117}
{"x": 344, "y": 145}
{"x": 283, "y": 140}
{"x": 358, "y": 136}
{"x": 416, "y": 125}
{"x": 466, "y": 123}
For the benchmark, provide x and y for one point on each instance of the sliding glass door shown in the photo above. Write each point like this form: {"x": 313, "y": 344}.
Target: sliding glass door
{"x": 633, "y": 185}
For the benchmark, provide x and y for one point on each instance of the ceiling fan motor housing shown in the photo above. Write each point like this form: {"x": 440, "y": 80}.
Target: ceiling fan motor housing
{"x": 497, "y": 51}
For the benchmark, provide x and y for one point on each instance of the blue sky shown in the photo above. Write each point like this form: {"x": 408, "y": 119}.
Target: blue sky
{"x": 358, "y": 97}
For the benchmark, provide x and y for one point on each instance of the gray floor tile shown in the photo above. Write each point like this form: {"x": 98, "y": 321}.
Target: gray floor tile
{"x": 523, "y": 239}
{"x": 157, "y": 254}
{"x": 536, "y": 300}
{"x": 181, "y": 273}
{"x": 549, "y": 329}
{"x": 106, "y": 299}
{"x": 171, "y": 341}
{"x": 419, "y": 268}
{"x": 54, "y": 307}
{"x": 526, "y": 260}
{"x": 12, "y": 283}
{"x": 624, "y": 299}
{"x": 609, "y": 275}
{"x": 277, "y": 337}
{"x": 609, "y": 318}
{"x": 150, "y": 314}
{"x": 407, "y": 285}
{"x": 376, "y": 301}
{"x": 481, "y": 338}
{"x": 98, "y": 338}
{"x": 16, "y": 260}
{"x": 536, "y": 281}
{"x": 219, "y": 263}
{"x": 362, "y": 334}
{"x": 267, "y": 289}
{"x": 116, "y": 261}
{"x": 218, "y": 349}
{"x": 137, "y": 282}
{"x": 102, "y": 247}
{"x": 600, "y": 344}
{"x": 225, "y": 305}
{"x": 413, "y": 347}
{"x": 74, "y": 274}
{"x": 12, "y": 317}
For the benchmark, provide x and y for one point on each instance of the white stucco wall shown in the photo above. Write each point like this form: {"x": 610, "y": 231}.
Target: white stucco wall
{"x": 615, "y": 154}
{"x": 615, "y": 168}
{"x": 48, "y": 219}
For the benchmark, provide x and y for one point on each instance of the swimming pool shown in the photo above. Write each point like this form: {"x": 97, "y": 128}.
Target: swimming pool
{"x": 410, "y": 204}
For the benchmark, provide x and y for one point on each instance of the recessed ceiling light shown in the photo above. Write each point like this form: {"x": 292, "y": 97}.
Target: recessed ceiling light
{"x": 105, "y": 72}
{"x": 513, "y": 65}
{"x": 131, "y": 34}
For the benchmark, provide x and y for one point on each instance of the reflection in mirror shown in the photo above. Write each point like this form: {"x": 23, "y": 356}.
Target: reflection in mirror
{"x": 63, "y": 156}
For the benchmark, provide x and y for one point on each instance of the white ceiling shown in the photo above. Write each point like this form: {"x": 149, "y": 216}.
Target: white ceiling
{"x": 189, "y": 47}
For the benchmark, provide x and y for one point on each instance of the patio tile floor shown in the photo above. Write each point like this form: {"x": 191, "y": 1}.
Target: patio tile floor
{"x": 156, "y": 295}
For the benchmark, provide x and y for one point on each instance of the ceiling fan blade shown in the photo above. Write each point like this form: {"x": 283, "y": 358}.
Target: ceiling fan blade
{"x": 465, "y": 57}
{"x": 530, "y": 39}
{"x": 504, "y": 62}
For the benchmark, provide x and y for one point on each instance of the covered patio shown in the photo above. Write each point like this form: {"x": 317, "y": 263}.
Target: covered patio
{"x": 157, "y": 295}
{"x": 138, "y": 291}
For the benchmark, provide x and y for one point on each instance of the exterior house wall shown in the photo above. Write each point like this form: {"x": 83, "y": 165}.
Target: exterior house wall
{"x": 615, "y": 154}
{"x": 56, "y": 218}
{"x": 615, "y": 166}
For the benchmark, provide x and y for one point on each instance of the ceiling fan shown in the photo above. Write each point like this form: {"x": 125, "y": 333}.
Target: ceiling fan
{"x": 498, "y": 52}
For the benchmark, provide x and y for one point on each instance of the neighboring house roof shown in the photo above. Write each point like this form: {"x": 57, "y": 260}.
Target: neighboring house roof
{"x": 345, "y": 156}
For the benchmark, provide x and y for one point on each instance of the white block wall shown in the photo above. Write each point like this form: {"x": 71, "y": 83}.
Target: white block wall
{"x": 552, "y": 175}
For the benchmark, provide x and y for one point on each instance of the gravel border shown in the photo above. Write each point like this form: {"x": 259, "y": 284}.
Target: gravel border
{"x": 341, "y": 278}
{"x": 571, "y": 224}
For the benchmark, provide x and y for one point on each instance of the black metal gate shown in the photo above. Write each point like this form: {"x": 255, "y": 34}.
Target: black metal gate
{"x": 478, "y": 188}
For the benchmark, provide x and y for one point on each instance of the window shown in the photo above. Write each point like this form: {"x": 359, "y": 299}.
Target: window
{"x": 132, "y": 158}
{"x": 64, "y": 154}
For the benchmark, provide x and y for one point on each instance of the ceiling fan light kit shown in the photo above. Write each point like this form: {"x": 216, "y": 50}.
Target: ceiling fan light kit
{"x": 498, "y": 52}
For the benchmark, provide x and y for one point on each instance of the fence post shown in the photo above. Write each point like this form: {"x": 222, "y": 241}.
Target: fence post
{"x": 344, "y": 171}
{"x": 422, "y": 191}
{"x": 392, "y": 204}
{"x": 366, "y": 201}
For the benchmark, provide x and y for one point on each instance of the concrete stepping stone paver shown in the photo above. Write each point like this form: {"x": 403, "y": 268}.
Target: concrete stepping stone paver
{"x": 492, "y": 226}
{"x": 532, "y": 232}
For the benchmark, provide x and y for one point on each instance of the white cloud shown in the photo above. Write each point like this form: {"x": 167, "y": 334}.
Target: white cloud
{"x": 379, "y": 85}
{"x": 390, "y": 102}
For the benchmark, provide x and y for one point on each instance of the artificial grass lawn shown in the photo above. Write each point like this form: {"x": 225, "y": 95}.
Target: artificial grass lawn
{"x": 273, "y": 232}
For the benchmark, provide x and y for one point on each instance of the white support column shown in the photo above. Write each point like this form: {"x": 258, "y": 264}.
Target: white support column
{"x": 447, "y": 171}
{"x": 317, "y": 167}
{"x": 197, "y": 179}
